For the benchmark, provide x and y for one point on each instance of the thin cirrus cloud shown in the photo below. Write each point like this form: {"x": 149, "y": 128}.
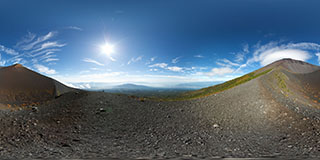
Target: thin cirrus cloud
{"x": 160, "y": 65}
{"x": 133, "y": 60}
{"x": 34, "y": 49}
{"x": 88, "y": 60}
{"x": 175, "y": 60}
{"x": 25, "y": 45}
{"x": 198, "y": 56}
{"x": 75, "y": 28}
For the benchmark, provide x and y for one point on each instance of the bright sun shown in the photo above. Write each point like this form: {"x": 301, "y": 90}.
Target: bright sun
{"x": 107, "y": 48}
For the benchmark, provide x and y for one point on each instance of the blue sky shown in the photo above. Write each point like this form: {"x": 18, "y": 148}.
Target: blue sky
{"x": 157, "y": 43}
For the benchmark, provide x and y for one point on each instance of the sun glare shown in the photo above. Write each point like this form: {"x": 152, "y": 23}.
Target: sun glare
{"x": 107, "y": 48}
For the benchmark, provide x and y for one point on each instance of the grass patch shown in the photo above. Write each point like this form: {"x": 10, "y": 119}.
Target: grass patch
{"x": 218, "y": 88}
{"x": 282, "y": 83}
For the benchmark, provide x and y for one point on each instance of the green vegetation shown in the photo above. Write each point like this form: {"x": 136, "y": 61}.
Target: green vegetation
{"x": 281, "y": 82}
{"x": 218, "y": 88}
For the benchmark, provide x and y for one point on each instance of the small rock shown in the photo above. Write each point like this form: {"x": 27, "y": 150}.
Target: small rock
{"x": 102, "y": 110}
{"x": 215, "y": 125}
{"x": 34, "y": 109}
{"x": 188, "y": 141}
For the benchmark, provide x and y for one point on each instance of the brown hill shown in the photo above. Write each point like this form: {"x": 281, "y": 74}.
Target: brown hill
{"x": 296, "y": 80}
{"x": 20, "y": 85}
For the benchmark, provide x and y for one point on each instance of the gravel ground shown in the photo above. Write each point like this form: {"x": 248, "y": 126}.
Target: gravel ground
{"x": 250, "y": 120}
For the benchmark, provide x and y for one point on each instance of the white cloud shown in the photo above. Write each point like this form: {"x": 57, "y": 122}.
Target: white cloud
{"x": 26, "y": 39}
{"x": 228, "y": 62}
{"x": 198, "y": 56}
{"x": 8, "y": 50}
{"x": 51, "y": 44}
{"x": 175, "y": 60}
{"x": 318, "y": 55}
{"x": 273, "y": 51}
{"x": 175, "y": 69}
{"x": 44, "y": 69}
{"x": 133, "y": 60}
{"x": 160, "y": 65}
{"x": 152, "y": 59}
{"x": 40, "y": 39}
{"x": 246, "y": 48}
{"x": 51, "y": 59}
{"x": 153, "y": 69}
{"x": 220, "y": 71}
{"x": 33, "y": 49}
{"x": 272, "y": 56}
{"x": 92, "y": 61}
{"x": 75, "y": 28}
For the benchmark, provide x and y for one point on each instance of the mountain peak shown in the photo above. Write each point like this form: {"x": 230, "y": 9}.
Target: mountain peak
{"x": 17, "y": 65}
{"x": 294, "y": 66}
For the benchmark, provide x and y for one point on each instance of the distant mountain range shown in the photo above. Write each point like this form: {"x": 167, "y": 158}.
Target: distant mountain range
{"x": 131, "y": 86}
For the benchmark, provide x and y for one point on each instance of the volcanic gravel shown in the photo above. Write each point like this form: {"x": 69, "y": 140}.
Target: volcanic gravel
{"x": 250, "y": 120}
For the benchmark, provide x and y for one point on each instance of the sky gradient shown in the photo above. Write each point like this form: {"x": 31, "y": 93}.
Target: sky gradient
{"x": 156, "y": 43}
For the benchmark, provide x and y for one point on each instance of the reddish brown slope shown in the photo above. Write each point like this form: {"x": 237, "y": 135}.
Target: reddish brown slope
{"x": 20, "y": 85}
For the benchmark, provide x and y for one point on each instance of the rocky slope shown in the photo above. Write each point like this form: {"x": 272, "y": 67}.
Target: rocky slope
{"x": 273, "y": 115}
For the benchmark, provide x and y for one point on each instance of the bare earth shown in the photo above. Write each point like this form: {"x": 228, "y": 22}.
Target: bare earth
{"x": 254, "y": 119}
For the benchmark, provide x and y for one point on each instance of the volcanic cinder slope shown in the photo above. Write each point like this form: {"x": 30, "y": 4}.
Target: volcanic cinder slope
{"x": 271, "y": 112}
{"x": 19, "y": 85}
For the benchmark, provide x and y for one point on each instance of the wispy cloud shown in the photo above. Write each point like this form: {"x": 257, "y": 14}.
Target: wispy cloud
{"x": 226, "y": 63}
{"x": 160, "y": 65}
{"x": 92, "y": 61}
{"x": 198, "y": 56}
{"x": 51, "y": 59}
{"x": 175, "y": 60}
{"x": 34, "y": 49}
{"x": 221, "y": 72}
{"x": 75, "y": 28}
{"x": 31, "y": 45}
{"x": 8, "y": 50}
{"x": 240, "y": 56}
{"x": 152, "y": 59}
{"x": 175, "y": 69}
{"x": 133, "y": 60}
{"x": 44, "y": 69}
{"x": 47, "y": 45}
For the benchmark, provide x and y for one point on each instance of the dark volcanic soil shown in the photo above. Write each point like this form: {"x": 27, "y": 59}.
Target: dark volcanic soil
{"x": 250, "y": 120}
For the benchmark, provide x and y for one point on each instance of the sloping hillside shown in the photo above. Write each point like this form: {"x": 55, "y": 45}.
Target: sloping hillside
{"x": 278, "y": 68}
{"x": 19, "y": 85}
